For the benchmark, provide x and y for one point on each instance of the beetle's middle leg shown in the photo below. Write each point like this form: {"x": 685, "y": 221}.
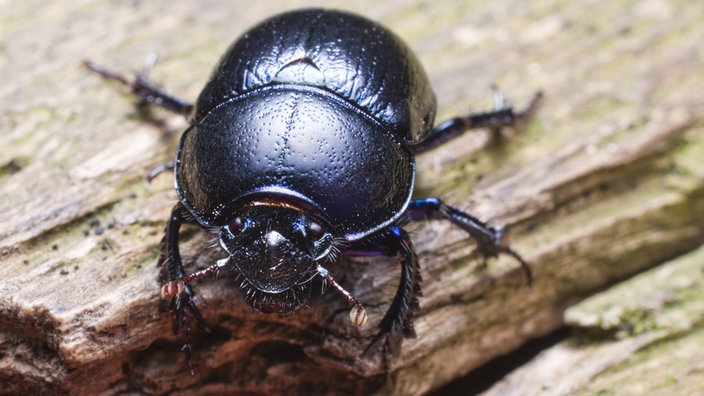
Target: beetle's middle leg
{"x": 488, "y": 238}
{"x": 502, "y": 116}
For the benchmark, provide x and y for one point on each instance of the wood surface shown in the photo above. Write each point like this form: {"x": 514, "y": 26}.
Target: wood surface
{"x": 605, "y": 182}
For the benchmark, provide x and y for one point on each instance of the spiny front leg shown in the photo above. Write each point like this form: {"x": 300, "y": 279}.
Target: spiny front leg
{"x": 174, "y": 281}
{"x": 397, "y": 323}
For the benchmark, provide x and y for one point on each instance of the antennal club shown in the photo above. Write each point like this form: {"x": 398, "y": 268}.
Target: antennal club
{"x": 358, "y": 315}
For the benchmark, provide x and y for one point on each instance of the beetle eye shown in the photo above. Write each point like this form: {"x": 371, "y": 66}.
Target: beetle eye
{"x": 315, "y": 230}
{"x": 235, "y": 225}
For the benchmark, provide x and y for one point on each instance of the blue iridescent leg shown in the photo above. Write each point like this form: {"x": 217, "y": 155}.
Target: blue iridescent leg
{"x": 488, "y": 238}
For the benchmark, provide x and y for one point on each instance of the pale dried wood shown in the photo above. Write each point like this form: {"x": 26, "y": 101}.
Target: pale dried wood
{"x": 604, "y": 183}
{"x": 643, "y": 336}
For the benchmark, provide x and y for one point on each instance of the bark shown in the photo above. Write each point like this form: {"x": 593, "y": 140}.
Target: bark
{"x": 605, "y": 182}
{"x": 641, "y": 336}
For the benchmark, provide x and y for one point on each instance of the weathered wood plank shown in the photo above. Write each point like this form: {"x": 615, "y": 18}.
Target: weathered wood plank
{"x": 641, "y": 336}
{"x": 605, "y": 183}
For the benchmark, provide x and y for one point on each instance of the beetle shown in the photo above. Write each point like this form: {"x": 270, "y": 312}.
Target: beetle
{"x": 301, "y": 149}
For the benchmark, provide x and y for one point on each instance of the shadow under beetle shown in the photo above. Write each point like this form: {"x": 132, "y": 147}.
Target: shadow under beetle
{"x": 301, "y": 149}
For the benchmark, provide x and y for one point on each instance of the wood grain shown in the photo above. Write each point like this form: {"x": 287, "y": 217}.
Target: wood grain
{"x": 604, "y": 183}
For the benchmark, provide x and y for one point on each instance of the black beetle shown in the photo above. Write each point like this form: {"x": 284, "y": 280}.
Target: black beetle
{"x": 301, "y": 149}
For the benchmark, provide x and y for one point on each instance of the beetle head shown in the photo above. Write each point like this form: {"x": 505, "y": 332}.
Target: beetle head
{"x": 275, "y": 248}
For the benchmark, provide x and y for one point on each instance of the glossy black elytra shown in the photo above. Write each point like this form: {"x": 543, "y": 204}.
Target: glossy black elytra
{"x": 301, "y": 149}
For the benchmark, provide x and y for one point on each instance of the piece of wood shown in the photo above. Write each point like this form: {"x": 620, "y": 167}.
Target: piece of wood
{"x": 642, "y": 336}
{"x": 606, "y": 182}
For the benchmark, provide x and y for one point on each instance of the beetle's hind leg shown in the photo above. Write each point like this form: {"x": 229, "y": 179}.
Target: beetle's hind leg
{"x": 489, "y": 239}
{"x": 148, "y": 93}
{"x": 144, "y": 89}
{"x": 502, "y": 116}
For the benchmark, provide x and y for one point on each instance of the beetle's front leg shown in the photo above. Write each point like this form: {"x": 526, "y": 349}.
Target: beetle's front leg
{"x": 398, "y": 320}
{"x": 502, "y": 116}
{"x": 488, "y": 238}
{"x": 174, "y": 280}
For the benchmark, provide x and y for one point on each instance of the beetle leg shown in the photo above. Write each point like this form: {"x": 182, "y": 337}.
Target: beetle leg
{"x": 488, "y": 238}
{"x": 145, "y": 90}
{"x": 147, "y": 93}
{"x": 169, "y": 166}
{"x": 502, "y": 116}
{"x": 398, "y": 320}
{"x": 172, "y": 277}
